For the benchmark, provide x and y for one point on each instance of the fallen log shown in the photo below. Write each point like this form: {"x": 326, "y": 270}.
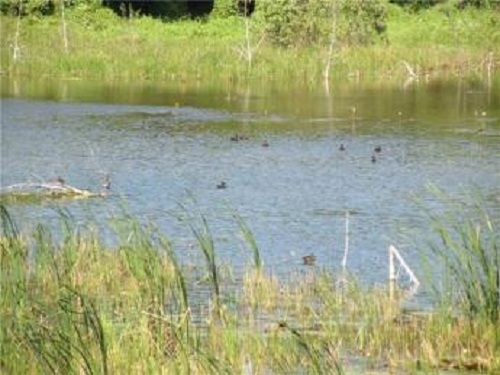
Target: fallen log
{"x": 34, "y": 192}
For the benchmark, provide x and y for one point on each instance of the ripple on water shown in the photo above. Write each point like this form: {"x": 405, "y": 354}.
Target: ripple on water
{"x": 293, "y": 194}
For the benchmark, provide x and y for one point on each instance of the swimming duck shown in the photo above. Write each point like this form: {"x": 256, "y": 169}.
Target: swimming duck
{"x": 235, "y": 138}
{"x": 342, "y": 147}
{"x": 106, "y": 184}
{"x": 265, "y": 144}
{"x": 378, "y": 149}
{"x": 309, "y": 260}
{"x": 221, "y": 185}
{"x": 374, "y": 159}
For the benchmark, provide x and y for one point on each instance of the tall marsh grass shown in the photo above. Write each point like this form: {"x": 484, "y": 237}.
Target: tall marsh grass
{"x": 73, "y": 305}
{"x": 469, "y": 248}
{"x": 103, "y": 46}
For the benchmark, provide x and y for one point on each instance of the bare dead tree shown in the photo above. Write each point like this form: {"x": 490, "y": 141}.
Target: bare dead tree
{"x": 247, "y": 51}
{"x": 329, "y": 59}
{"x": 16, "y": 50}
{"x": 63, "y": 27}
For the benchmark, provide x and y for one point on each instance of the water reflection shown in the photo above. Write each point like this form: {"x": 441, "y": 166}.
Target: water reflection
{"x": 163, "y": 145}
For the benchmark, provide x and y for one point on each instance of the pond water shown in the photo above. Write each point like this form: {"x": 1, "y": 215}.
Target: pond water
{"x": 167, "y": 146}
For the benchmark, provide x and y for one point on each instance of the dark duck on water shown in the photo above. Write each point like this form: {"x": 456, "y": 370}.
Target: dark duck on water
{"x": 309, "y": 260}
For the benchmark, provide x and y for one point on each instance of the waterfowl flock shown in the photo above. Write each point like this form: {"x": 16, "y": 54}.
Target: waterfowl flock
{"x": 376, "y": 150}
{"x": 238, "y": 137}
{"x": 241, "y": 137}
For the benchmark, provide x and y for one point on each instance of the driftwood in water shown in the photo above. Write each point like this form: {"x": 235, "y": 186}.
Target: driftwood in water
{"x": 29, "y": 192}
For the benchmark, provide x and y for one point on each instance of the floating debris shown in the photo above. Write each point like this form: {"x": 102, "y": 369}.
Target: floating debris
{"x": 55, "y": 188}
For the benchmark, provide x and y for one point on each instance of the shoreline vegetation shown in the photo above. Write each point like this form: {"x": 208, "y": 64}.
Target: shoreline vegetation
{"x": 89, "y": 41}
{"x": 75, "y": 305}
{"x": 72, "y": 303}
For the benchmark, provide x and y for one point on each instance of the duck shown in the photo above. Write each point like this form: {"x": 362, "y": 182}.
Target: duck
{"x": 374, "y": 159}
{"x": 221, "y": 185}
{"x": 106, "y": 184}
{"x": 57, "y": 181}
{"x": 235, "y": 138}
{"x": 378, "y": 149}
{"x": 309, "y": 260}
{"x": 265, "y": 144}
{"x": 342, "y": 147}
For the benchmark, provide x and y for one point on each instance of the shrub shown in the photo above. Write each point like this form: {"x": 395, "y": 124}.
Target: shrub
{"x": 419, "y": 4}
{"x": 225, "y": 8}
{"x": 360, "y": 20}
{"x": 305, "y": 22}
{"x": 25, "y": 7}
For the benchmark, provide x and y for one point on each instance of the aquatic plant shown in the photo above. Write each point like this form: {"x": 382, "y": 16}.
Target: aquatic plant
{"x": 470, "y": 252}
{"x": 250, "y": 241}
{"x": 206, "y": 243}
{"x": 70, "y": 304}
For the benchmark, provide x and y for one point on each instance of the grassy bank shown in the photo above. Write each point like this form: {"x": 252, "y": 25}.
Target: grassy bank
{"x": 103, "y": 46}
{"x": 75, "y": 306}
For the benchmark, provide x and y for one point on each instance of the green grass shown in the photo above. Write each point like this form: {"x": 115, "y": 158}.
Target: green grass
{"x": 76, "y": 306}
{"x": 104, "y": 47}
{"x": 469, "y": 248}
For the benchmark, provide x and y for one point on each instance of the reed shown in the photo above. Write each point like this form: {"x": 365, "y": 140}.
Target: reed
{"x": 206, "y": 243}
{"x": 71, "y": 305}
{"x": 469, "y": 250}
{"x": 250, "y": 241}
{"x": 102, "y": 46}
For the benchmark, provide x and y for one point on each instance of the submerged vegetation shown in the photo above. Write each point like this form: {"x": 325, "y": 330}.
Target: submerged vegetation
{"x": 76, "y": 306}
{"x": 281, "y": 40}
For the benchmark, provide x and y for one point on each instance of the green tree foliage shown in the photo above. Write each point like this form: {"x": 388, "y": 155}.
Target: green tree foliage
{"x": 225, "y": 8}
{"x": 25, "y": 7}
{"x": 461, "y": 4}
{"x": 126, "y": 8}
{"x": 304, "y": 22}
{"x": 44, "y": 7}
{"x": 360, "y": 21}
{"x": 156, "y": 9}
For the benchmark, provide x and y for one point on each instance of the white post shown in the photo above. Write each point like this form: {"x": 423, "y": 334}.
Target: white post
{"x": 392, "y": 273}
{"x": 393, "y": 252}
{"x": 346, "y": 247}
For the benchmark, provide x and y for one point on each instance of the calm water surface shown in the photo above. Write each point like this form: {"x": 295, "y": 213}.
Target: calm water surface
{"x": 166, "y": 146}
